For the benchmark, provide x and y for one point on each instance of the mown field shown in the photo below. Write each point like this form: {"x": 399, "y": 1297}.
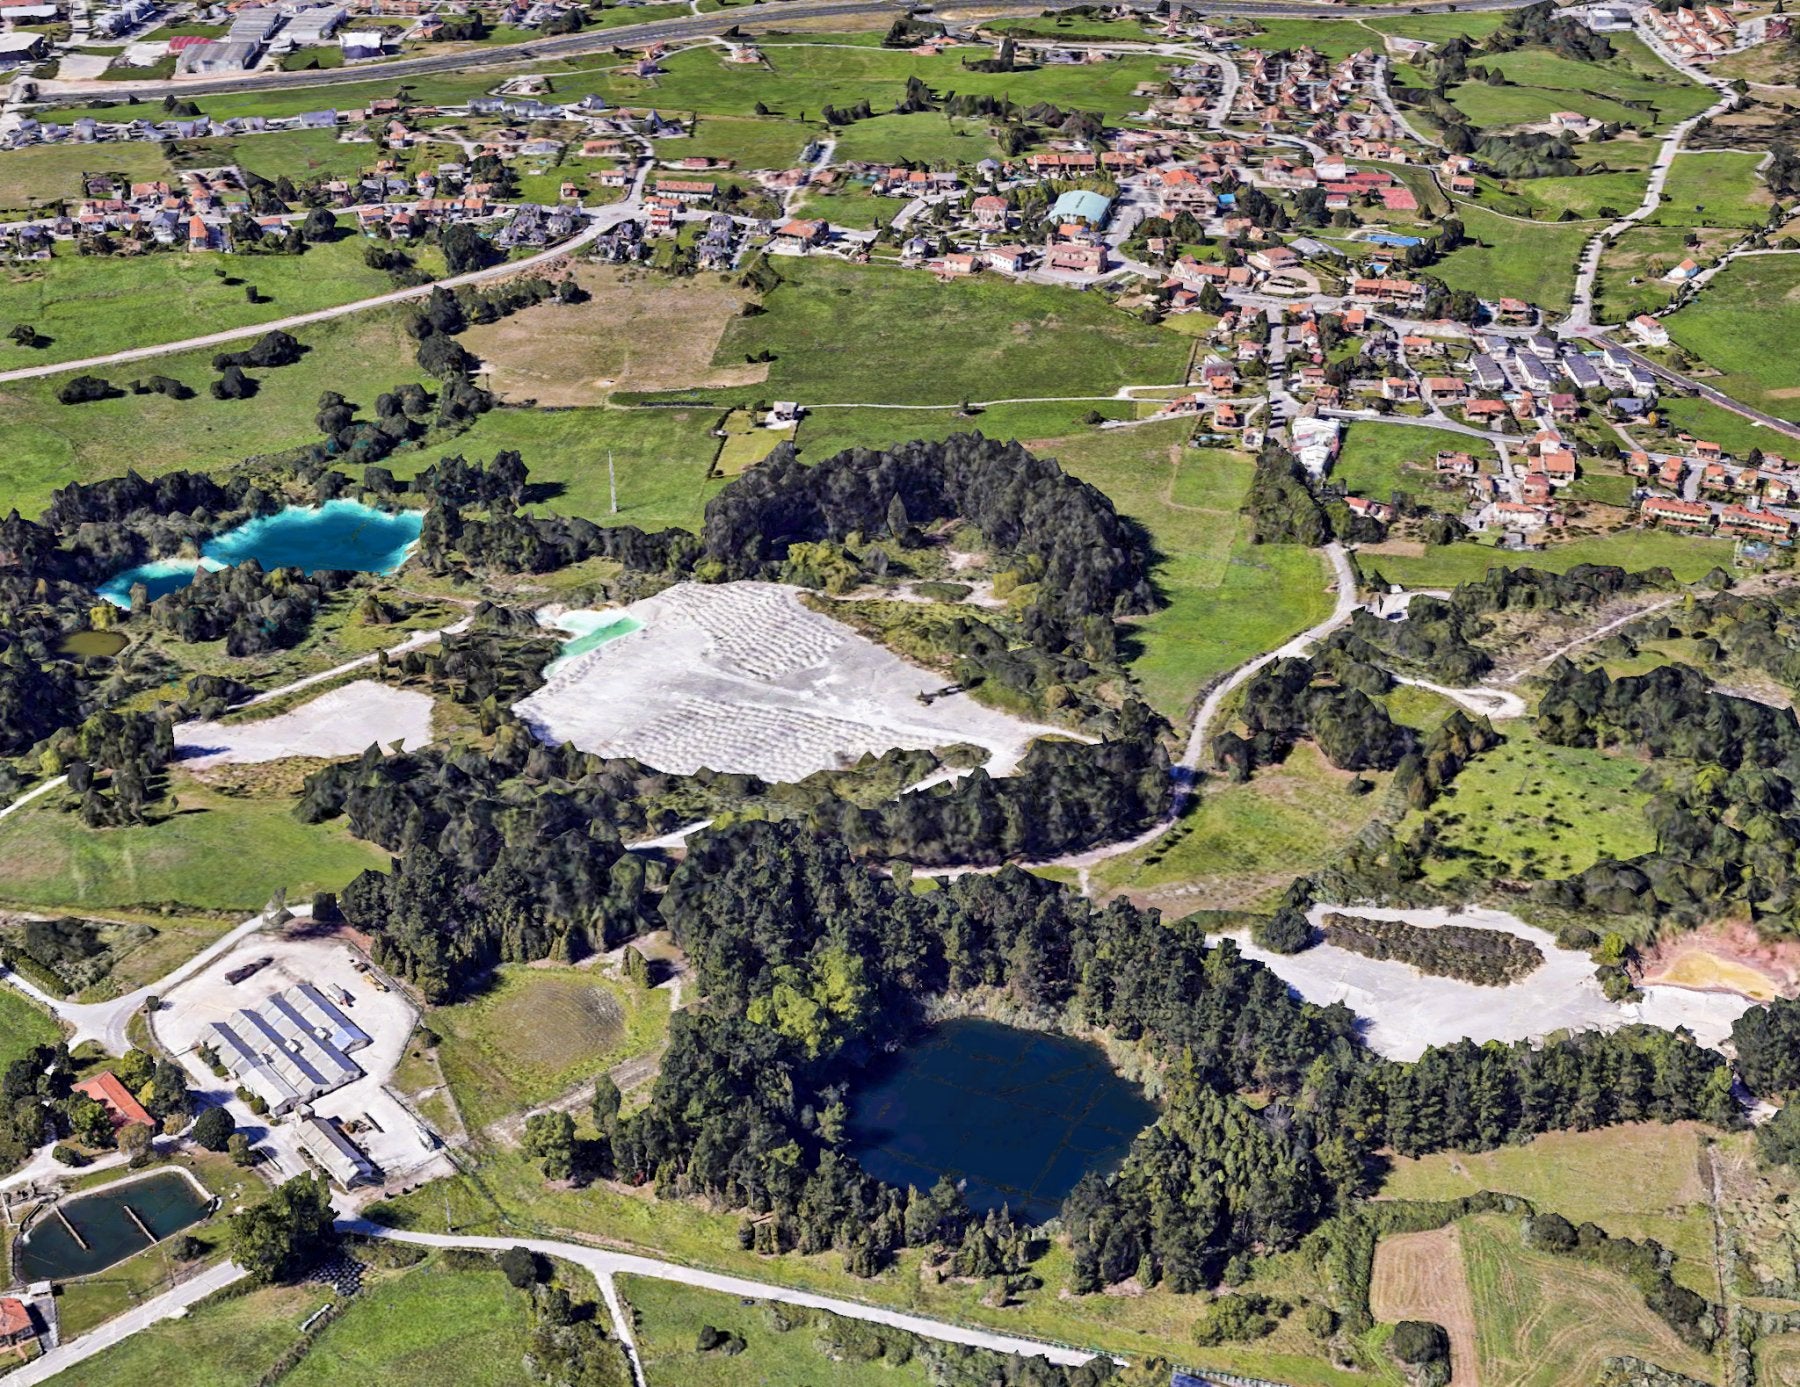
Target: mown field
{"x": 1543, "y": 1320}
{"x": 1744, "y": 324}
{"x": 207, "y": 852}
{"x": 1716, "y": 188}
{"x": 1575, "y": 1174}
{"x": 1226, "y": 599}
{"x": 1525, "y": 260}
{"x": 1378, "y": 460}
{"x": 866, "y": 334}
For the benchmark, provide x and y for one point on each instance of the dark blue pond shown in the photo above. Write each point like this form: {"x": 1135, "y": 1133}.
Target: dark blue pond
{"x": 338, "y": 534}
{"x": 1018, "y": 1115}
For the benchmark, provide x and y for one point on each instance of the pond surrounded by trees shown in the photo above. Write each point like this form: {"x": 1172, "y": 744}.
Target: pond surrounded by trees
{"x": 337, "y": 535}
{"x": 1019, "y": 1115}
{"x": 93, "y": 1231}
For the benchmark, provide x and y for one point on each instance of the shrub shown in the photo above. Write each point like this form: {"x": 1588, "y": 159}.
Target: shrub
{"x": 213, "y": 1129}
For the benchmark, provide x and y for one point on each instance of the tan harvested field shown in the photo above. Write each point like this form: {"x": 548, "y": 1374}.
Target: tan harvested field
{"x": 637, "y": 331}
{"x": 1420, "y": 1276}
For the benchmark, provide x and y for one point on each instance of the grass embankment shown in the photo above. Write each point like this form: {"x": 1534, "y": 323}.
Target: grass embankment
{"x": 206, "y": 851}
{"x": 1241, "y": 845}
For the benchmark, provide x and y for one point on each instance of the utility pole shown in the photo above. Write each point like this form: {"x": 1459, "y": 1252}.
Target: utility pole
{"x": 612, "y": 481}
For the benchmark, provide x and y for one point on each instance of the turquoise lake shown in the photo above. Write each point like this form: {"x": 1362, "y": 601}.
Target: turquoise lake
{"x": 588, "y": 631}
{"x": 338, "y": 534}
{"x": 1018, "y": 1116}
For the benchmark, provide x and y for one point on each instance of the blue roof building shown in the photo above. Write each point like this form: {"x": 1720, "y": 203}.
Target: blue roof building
{"x": 1082, "y": 205}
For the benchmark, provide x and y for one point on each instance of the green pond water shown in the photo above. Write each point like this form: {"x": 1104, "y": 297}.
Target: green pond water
{"x": 164, "y": 1203}
{"x": 1016, "y": 1115}
{"x": 88, "y": 644}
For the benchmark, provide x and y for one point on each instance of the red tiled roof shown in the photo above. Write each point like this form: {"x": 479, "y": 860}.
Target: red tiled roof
{"x": 14, "y": 1318}
{"x": 107, "y": 1090}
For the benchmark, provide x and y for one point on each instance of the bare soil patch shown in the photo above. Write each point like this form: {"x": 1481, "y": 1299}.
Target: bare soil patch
{"x": 1726, "y": 958}
{"x": 1420, "y": 1276}
{"x": 636, "y": 331}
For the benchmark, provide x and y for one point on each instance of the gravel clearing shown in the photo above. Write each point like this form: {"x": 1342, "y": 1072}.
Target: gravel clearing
{"x": 341, "y": 722}
{"x": 742, "y": 677}
{"x": 1405, "y": 1011}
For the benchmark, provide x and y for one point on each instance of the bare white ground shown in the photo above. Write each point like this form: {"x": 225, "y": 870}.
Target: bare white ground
{"x": 1406, "y": 1011}
{"x": 341, "y": 722}
{"x": 742, "y": 677}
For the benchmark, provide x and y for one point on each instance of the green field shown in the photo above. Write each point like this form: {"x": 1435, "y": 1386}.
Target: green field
{"x": 91, "y": 305}
{"x": 750, "y": 142}
{"x": 1744, "y": 323}
{"x": 1543, "y": 82}
{"x": 52, "y": 444}
{"x": 302, "y": 155}
{"x": 1378, "y": 460}
{"x": 1523, "y": 260}
{"x": 41, "y": 174}
{"x": 212, "y": 853}
{"x": 1242, "y": 844}
{"x": 671, "y": 1316}
{"x": 1716, "y": 188}
{"x": 1734, "y": 433}
{"x": 1227, "y": 599}
{"x": 416, "y": 1328}
{"x": 536, "y": 1033}
{"x": 867, "y": 334}
{"x": 23, "y": 1024}
{"x": 1528, "y": 809}
{"x": 1583, "y": 194}
{"x": 1646, "y": 253}
{"x": 1689, "y": 557}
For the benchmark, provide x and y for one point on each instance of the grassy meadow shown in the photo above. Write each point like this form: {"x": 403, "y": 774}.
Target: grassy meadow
{"x": 1744, "y": 324}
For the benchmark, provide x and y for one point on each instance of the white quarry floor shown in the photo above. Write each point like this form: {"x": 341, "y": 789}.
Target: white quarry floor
{"x": 340, "y": 722}
{"x": 741, "y": 677}
{"x": 1406, "y": 1011}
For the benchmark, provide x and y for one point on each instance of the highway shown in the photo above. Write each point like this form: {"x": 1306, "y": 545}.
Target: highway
{"x": 662, "y": 31}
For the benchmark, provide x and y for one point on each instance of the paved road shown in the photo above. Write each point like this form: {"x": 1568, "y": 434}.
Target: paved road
{"x": 605, "y": 219}
{"x": 163, "y": 1307}
{"x": 606, "y": 1264}
{"x": 636, "y": 35}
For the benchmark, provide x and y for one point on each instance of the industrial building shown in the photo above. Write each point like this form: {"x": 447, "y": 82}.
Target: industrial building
{"x": 290, "y": 1048}
{"x": 339, "y": 1157}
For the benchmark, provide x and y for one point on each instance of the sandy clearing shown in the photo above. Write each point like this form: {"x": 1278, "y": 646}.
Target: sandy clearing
{"x": 1405, "y": 1011}
{"x": 1420, "y": 1276}
{"x": 340, "y": 722}
{"x": 743, "y": 677}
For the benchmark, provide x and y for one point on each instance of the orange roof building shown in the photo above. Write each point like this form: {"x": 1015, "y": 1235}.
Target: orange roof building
{"x": 107, "y": 1090}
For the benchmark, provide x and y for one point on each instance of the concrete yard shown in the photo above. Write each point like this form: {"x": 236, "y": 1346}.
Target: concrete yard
{"x": 341, "y": 722}
{"x": 390, "y": 1135}
{"x": 742, "y": 677}
{"x": 1406, "y": 1011}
